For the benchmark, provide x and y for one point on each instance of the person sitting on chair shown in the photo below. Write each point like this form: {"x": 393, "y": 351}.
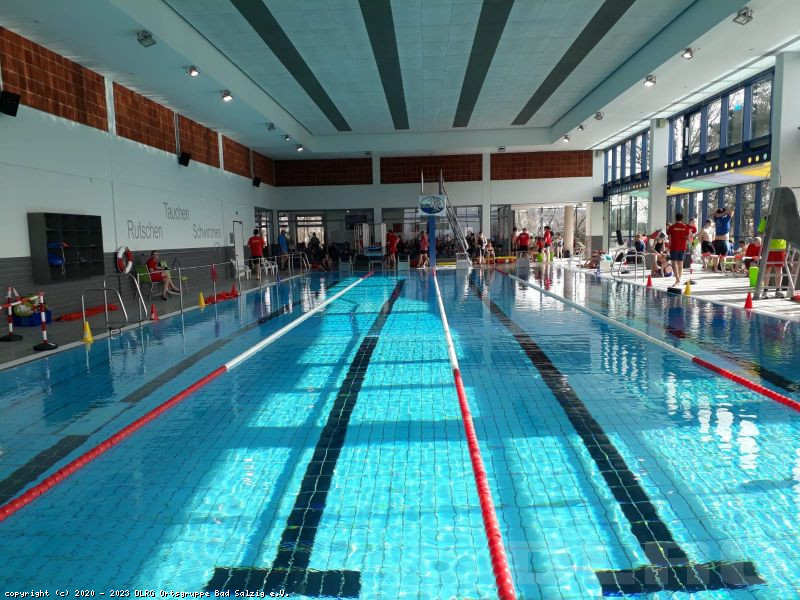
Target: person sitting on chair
{"x": 158, "y": 273}
{"x": 327, "y": 262}
{"x": 490, "y": 257}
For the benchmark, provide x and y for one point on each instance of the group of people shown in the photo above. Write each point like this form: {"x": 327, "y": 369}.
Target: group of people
{"x": 544, "y": 245}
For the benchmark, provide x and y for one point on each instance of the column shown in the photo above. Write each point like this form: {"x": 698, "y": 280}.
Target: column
{"x": 657, "y": 161}
{"x": 569, "y": 226}
{"x": 596, "y": 217}
{"x": 486, "y": 203}
{"x": 785, "y": 120}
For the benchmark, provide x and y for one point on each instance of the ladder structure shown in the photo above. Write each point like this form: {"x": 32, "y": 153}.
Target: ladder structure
{"x": 783, "y": 226}
{"x": 462, "y": 248}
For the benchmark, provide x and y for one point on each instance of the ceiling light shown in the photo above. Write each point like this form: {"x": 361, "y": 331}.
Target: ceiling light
{"x": 598, "y": 116}
{"x": 286, "y": 138}
{"x": 192, "y": 71}
{"x": 300, "y": 147}
{"x": 226, "y": 96}
{"x": 565, "y": 138}
{"x": 687, "y": 54}
{"x": 581, "y": 127}
{"x": 744, "y": 16}
{"x": 270, "y": 127}
{"x": 501, "y": 149}
{"x": 145, "y": 38}
{"x": 650, "y": 81}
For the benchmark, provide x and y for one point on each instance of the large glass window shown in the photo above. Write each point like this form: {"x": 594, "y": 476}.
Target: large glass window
{"x": 637, "y": 155}
{"x": 609, "y": 164}
{"x": 735, "y": 117}
{"x": 713, "y": 132}
{"x": 627, "y": 163}
{"x": 617, "y": 162}
{"x": 693, "y": 125}
{"x": 762, "y": 100}
{"x": 677, "y": 139}
{"x": 765, "y": 191}
{"x": 748, "y": 211}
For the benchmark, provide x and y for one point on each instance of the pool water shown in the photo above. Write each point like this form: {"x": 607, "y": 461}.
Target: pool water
{"x": 333, "y": 462}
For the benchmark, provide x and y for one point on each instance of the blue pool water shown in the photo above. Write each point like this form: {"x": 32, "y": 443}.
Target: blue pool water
{"x": 209, "y": 492}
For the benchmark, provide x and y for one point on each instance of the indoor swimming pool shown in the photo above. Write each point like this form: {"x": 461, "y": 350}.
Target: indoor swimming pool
{"x": 333, "y": 462}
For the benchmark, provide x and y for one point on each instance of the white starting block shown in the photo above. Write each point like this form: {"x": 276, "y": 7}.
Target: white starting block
{"x": 463, "y": 261}
{"x": 403, "y": 264}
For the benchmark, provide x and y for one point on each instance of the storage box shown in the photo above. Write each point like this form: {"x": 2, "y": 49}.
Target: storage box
{"x": 33, "y": 320}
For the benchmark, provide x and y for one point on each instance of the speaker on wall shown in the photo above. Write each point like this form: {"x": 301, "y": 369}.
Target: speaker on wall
{"x": 9, "y": 103}
{"x": 184, "y": 159}
{"x": 256, "y": 181}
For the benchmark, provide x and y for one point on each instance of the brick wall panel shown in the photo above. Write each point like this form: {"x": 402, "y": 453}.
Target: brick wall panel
{"x": 142, "y": 120}
{"x": 236, "y": 157}
{"x": 51, "y": 83}
{"x": 339, "y": 171}
{"x": 406, "y": 169}
{"x": 201, "y": 142}
{"x": 264, "y": 168}
{"x": 541, "y": 165}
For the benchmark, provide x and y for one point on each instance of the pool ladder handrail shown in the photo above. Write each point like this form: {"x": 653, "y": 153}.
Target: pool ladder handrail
{"x": 140, "y": 304}
{"x": 105, "y": 291}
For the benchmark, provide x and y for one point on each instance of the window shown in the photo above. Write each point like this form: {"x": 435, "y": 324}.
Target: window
{"x": 713, "y": 133}
{"x": 765, "y": 197}
{"x": 677, "y": 139}
{"x": 693, "y": 141}
{"x": 609, "y": 164}
{"x": 627, "y": 164}
{"x": 748, "y": 211}
{"x": 735, "y": 117}
{"x": 637, "y": 155}
{"x": 617, "y": 162}
{"x": 762, "y": 100}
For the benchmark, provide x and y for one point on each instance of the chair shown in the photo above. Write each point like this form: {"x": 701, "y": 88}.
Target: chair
{"x": 143, "y": 275}
{"x": 184, "y": 280}
{"x": 239, "y": 267}
{"x": 268, "y": 265}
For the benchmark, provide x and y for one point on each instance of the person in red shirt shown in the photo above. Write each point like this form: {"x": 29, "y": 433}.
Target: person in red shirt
{"x": 423, "y": 251}
{"x": 158, "y": 274}
{"x": 752, "y": 253}
{"x": 679, "y": 235}
{"x": 256, "y": 244}
{"x": 523, "y": 240}
{"x": 391, "y": 249}
{"x": 548, "y": 243}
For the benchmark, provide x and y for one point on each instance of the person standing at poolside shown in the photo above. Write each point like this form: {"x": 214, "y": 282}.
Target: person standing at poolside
{"x": 706, "y": 247}
{"x": 283, "y": 244}
{"x": 523, "y": 241}
{"x": 256, "y": 244}
{"x": 548, "y": 243}
{"x": 391, "y": 249}
{"x": 423, "y": 251}
{"x": 560, "y": 246}
{"x": 679, "y": 235}
{"x": 722, "y": 231}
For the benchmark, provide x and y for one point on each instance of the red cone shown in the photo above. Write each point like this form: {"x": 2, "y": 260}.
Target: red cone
{"x": 153, "y": 313}
{"x": 748, "y": 304}
{"x": 649, "y": 281}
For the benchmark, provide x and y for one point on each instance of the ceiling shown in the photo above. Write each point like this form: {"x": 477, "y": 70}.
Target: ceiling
{"x": 399, "y": 76}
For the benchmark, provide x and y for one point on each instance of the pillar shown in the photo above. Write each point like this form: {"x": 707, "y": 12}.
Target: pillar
{"x": 486, "y": 199}
{"x": 657, "y": 162}
{"x": 785, "y": 121}
{"x": 596, "y": 217}
{"x": 569, "y": 226}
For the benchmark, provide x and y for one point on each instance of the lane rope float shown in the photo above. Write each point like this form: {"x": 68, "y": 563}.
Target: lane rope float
{"x": 12, "y": 506}
{"x": 751, "y": 385}
{"x": 502, "y": 571}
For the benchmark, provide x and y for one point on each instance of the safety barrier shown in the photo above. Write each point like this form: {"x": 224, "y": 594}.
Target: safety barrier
{"x": 751, "y": 385}
{"x": 11, "y": 507}
{"x": 45, "y": 344}
{"x": 9, "y": 305}
{"x": 502, "y": 571}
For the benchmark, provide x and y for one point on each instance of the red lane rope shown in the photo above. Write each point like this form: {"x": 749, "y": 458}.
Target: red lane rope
{"x": 502, "y": 572}
{"x": 764, "y": 391}
{"x": 9, "y": 508}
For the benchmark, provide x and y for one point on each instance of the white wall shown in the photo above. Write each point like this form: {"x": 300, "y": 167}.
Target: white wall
{"x": 49, "y": 164}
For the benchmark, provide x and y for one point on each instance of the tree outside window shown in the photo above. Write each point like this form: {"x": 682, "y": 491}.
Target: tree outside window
{"x": 735, "y": 117}
{"x": 712, "y": 133}
{"x": 762, "y": 100}
{"x": 677, "y": 139}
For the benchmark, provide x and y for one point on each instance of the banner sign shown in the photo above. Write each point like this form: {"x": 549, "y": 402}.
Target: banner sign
{"x": 432, "y": 205}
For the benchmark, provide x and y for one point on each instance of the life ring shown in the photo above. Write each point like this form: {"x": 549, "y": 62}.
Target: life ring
{"x": 124, "y": 259}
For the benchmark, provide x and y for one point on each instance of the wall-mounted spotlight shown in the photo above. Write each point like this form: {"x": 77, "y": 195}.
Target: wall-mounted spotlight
{"x": 581, "y": 127}
{"x": 226, "y": 96}
{"x": 744, "y": 16}
{"x": 300, "y": 147}
{"x": 598, "y": 116}
{"x": 145, "y": 38}
{"x": 270, "y": 127}
{"x": 192, "y": 71}
{"x": 650, "y": 81}
{"x": 501, "y": 149}
{"x": 565, "y": 138}
{"x": 687, "y": 54}
{"x": 287, "y": 137}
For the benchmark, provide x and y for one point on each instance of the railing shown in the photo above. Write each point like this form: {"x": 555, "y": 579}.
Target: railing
{"x": 301, "y": 258}
{"x": 452, "y": 219}
{"x": 135, "y": 278}
{"x": 105, "y": 291}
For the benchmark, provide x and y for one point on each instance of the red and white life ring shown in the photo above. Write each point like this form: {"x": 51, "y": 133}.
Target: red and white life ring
{"x": 124, "y": 259}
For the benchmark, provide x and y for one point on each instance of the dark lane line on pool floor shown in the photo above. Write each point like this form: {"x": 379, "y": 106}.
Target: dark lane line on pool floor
{"x": 290, "y": 570}
{"x": 670, "y": 568}
{"x": 19, "y": 479}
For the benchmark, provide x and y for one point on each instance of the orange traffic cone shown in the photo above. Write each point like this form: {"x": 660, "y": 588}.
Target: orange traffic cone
{"x": 153, "y": 313}
{"x": 649, "y": 281}
{"x": 748, "y": 304}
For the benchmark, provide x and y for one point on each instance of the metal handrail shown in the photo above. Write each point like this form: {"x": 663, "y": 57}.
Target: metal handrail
{"x": 135, "y": 278}
{"x": 105, "y": 291}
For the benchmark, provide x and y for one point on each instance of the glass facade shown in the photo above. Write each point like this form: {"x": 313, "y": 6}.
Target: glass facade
{"x": 735, "y": 117}
{"x": 762, "y": 108}
{"x": 713, "y": 130}
{"x": 628, "y": 157}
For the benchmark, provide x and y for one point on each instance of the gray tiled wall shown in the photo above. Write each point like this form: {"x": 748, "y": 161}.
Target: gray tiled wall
{"x": 64, "y": 297}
